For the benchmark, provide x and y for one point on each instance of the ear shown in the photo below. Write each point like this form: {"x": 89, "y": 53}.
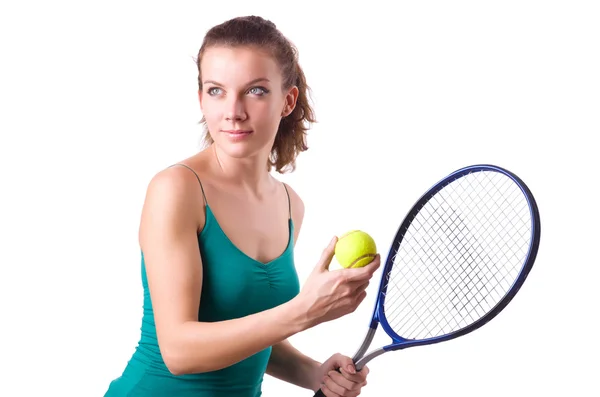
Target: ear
{"x": 290, "y": 101}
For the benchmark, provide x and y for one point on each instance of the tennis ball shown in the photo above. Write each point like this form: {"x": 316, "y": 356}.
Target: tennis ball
{"x": 355, "y": 249}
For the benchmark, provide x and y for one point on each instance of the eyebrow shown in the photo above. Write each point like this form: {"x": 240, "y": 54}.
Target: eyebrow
{"x": 249, "y": 83}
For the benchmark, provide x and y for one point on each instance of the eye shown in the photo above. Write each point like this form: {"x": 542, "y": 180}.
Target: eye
{"x": 212, "y": 91}
{"x": 260, "y": 91}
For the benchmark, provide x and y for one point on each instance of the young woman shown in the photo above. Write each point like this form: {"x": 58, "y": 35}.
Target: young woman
{"x": 217, "y": 234}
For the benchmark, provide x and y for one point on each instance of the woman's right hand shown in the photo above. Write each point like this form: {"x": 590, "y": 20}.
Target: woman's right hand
{"x": 328, "y": 295}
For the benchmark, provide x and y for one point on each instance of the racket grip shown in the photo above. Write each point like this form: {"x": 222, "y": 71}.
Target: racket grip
{"x": 319, "y": 393}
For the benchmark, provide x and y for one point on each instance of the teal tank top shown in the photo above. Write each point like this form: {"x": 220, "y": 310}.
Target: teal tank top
{"x": 234, "y": 285}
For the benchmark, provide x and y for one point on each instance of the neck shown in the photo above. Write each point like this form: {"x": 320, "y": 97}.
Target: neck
{"x": 249, "y": 173}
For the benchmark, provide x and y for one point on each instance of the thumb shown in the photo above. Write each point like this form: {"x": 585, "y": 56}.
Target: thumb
{"x": 327, "y": 255}
{"x": 345, "y": 363}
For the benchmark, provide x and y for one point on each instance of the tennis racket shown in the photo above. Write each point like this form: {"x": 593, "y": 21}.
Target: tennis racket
{"x": 459, "y": 257}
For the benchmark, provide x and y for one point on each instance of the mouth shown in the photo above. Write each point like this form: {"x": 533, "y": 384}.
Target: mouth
{"x": 238, "y": 132}
{"x": 237, "y": 135}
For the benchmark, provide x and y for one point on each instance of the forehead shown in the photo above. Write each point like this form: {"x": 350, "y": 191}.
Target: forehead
{"x": 238, "y": 65}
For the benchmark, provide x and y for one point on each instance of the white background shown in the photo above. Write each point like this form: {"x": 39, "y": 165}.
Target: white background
{"x": 96, "y": 97}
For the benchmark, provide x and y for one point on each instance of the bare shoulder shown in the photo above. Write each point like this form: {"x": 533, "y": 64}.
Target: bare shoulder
{"x": 173, "y": 193}
{"x": 173, "y": 181}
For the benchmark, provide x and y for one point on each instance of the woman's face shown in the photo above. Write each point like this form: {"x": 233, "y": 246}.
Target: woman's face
{"x": 242, "y": 99}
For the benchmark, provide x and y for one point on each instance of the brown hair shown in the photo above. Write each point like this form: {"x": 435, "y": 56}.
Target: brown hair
{"x": 256, "y": 31}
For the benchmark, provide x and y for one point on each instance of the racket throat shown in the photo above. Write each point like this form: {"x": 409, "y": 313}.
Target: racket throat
{"x": 360, "y": 359}
{"x": 371, "y": 355}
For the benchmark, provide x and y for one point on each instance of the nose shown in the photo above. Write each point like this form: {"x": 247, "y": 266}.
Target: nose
{"x": 235, "y": 110}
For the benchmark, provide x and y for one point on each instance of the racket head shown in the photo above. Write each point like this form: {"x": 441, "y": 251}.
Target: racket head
{"x": 528, "y": 210}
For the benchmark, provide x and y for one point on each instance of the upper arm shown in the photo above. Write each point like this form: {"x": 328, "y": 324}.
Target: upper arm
{"x": 169, "y": 241}
{"x": 297, "y": 211}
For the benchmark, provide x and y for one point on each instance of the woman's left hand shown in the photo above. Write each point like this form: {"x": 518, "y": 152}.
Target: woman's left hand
{"x": 345, "y": 382}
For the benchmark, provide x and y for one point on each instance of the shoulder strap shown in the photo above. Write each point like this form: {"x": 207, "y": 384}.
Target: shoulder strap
{"x": 197, "y": 177}
{"x": 289, "y": 201}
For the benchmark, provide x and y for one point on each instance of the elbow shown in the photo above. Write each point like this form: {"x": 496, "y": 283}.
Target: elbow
{"x": 181, "y": 363}
{"x": 176, "y": 357}
{"x": 176, "y": 371}
{"x": 175, "y": 363}
{"x": 176, "y": 360}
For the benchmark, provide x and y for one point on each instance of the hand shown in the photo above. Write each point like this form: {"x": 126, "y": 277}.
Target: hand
{"x": 339, "y": 377}
{"x": 328, "y": 295}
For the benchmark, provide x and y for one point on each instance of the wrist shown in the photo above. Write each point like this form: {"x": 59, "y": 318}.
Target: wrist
{"x": 315, "y": 376}
{"x": 296, "y": 315}
{"x": 307, "y": 371}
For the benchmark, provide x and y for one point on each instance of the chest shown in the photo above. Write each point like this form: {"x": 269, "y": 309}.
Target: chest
{"x": 258, "y": 230}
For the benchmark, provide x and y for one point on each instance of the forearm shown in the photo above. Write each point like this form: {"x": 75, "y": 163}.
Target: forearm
{"x": 201, "y": 347}
{"x": 290, "y": 365}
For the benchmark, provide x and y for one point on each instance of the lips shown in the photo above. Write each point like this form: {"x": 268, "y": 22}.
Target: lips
{"x": 238, "y": 132}
{"x": 237, "y": 135}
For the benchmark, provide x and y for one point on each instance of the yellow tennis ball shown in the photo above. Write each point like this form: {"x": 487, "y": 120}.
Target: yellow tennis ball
{"x": 355, "y": 249}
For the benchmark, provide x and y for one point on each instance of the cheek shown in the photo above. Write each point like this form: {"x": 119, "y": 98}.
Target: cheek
{"x": 265, "y": 113}
{"x": 211, "y": 112}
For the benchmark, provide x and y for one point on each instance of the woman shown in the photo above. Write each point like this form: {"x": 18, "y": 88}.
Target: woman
{"x": 221, "y": 294}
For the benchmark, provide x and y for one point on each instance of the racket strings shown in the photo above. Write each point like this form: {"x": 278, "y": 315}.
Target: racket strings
{"x": 459, "y": 256}
{"x": 462, "y": 254}
{"x": 464, "y": 260}
{"x": 434, "y": 299}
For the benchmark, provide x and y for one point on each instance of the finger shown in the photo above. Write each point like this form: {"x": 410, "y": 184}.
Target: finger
{"x": 356, "y": 378}
{"x": 351, "y": 302}
{"x": 355, "y": 287}
{"x": 374, "y": 264}
{"x": 346, "y": 371}
{"x": 327, "y": 255}
{"x": 331, "y": 383}
{"x": 365, "y": 370}
{"x": 363, "y": 273}
{"x": 326, "y": 391}
{"x": 346, "y": 379}
{"x": 333, "y": 388}
{"x": 361, "y": 297}
{"x": 355, "y": 295}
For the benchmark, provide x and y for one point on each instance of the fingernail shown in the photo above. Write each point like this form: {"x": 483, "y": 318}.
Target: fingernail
{"x": 351, "y": 369}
